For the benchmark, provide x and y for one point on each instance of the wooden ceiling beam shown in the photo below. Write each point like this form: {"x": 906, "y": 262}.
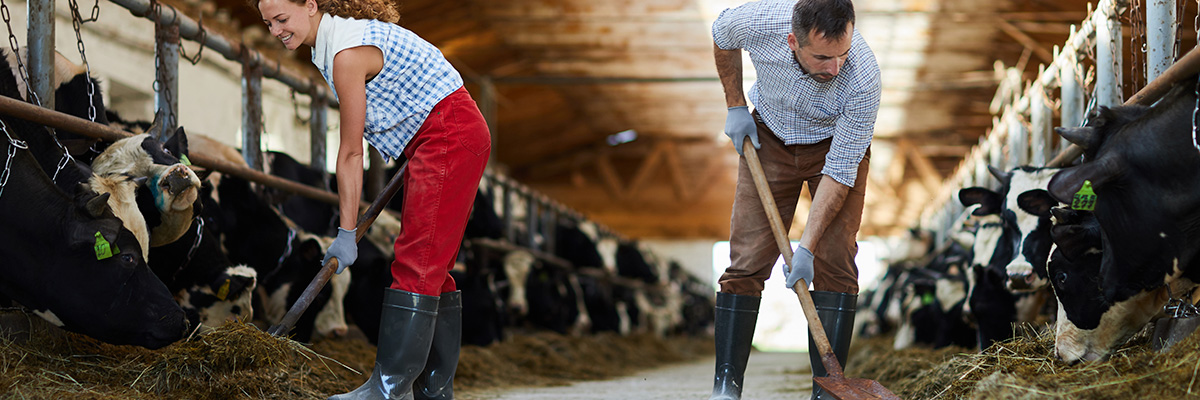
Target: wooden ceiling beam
{"x": 1024, "y": 39}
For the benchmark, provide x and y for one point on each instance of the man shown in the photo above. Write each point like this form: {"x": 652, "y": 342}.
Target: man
{"x": 815, "y": 99}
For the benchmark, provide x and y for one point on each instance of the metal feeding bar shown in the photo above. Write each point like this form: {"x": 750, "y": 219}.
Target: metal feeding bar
{"x": 230, "y": 49}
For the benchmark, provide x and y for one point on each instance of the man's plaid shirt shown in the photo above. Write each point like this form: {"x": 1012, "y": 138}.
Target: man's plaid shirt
{"x": 796, "y": 107}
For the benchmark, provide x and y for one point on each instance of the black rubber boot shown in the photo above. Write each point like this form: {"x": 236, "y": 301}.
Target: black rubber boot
{"x": 437, "y": 380}
{"x": 735, "y": 318}
{"x": 836, "y": 311}
{"x": 405, "y": 333}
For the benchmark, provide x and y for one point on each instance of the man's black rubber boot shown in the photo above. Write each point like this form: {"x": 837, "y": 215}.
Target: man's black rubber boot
{"x": 405, "y": 333}
{"x": 735, "y": 318}
{"x": 836, "y": 311}
{"x": 437, "y": 380}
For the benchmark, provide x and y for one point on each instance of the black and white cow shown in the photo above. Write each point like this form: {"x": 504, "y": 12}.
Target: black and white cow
{"x": 1143, "y": 176}
{"x": 990, "y": 304}
{"x": 72, "y": 261}
{"x": 1026, "y": 269}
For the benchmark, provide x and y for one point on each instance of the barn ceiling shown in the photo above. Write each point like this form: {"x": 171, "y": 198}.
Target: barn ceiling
{"x": 565, "y": 75}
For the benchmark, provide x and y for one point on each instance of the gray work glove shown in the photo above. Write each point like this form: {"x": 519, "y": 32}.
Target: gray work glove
{"x": 739, "y": 125}
{"x": 802, "y": 267}
{"x": 344, "y": 248}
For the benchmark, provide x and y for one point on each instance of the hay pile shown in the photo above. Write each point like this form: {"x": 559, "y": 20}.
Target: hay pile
{"x": 239, "y": 361}
{"x": 1026, "y": 368}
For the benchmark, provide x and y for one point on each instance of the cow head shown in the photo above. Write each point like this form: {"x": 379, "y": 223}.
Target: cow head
{"x": 1101, "y": 123}
{"x": 173, "y": 186}
{"x": 1026, "y": 269}
{"x": 111, "y": 295}
{"x": 1142, "y": 176}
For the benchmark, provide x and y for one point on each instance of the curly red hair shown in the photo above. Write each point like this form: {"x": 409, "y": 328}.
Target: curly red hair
{"x": 382, "y": 10}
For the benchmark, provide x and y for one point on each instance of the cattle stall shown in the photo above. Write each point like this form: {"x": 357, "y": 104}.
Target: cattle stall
{"x": 1042, "y": 276}
{"x": 530, "y": 220}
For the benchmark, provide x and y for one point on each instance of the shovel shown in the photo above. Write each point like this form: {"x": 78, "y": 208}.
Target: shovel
{"x": 323, "y": 276}
{"x": 837, "y": 385}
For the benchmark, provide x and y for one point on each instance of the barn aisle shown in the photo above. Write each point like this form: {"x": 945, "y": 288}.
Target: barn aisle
{"x": 769, "y": 376}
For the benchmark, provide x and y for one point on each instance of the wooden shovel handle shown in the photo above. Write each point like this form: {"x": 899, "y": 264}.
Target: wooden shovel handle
{"x": 832, "y": 366}
{"x": 326, "y": 272}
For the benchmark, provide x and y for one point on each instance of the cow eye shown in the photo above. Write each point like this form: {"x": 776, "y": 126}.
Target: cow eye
{"x": 1060, "y": 278}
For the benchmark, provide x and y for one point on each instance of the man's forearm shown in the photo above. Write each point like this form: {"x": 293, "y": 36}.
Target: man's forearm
{"x": 729, "y": 68}
{"x": 826, "y": 203}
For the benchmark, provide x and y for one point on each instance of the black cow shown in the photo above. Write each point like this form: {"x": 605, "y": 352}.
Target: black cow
{"x": 312, "y": 215}
{"x": 1075, "y": 270}
{"x": 72, "y": 261}
{"x": 1143, "y": 176}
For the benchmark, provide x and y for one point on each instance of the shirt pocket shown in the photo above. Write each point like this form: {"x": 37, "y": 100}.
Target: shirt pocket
{"x": 820, "y": 111}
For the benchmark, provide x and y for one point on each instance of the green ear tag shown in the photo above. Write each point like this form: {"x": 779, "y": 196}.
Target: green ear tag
{"x": 223, "y": 292}
{"x": 103, "y": 249}
{"x": 183, "y": 159}
{"x": 1085, "y": 198}
{"x": 927, "y": 299}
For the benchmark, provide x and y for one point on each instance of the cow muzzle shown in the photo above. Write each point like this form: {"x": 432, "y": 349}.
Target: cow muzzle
{"x": 177, "y": 180}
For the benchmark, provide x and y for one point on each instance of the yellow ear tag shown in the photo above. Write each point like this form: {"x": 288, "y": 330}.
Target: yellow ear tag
{"x": 223, "y": 292}
{"x": 103, "y": 248}
{"x": 183, "y": 159}
{"x": 1085, "y": 198}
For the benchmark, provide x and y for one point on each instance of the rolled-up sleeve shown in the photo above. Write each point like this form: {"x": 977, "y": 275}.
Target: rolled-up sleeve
{"x": 854, "y": 131}
{"x": 732, "y": 26}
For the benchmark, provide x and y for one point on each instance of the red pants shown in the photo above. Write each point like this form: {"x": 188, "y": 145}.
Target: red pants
{"x": 445, "y": 162}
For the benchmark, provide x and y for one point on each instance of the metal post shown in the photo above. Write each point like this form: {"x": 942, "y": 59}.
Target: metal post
{"x": 318, "y": 129}
{"x": 1017, "y": 148}
{"x": 487, "y": 107}
{"x": 375, "y": 177}
{"x": 551, "y": 229}
{"x": 166, "y": 99}
{"x": 510, "y": 230}
{"x": 531, "y": 219}
{"x": 1072, "y": 95}
{"x": 1160, "y": 37}
{"x": 1108, "y": 57}
{"x": 252, "y": 113}
{"x": 40, "y": 41}
{"x": 1039, "y": 117}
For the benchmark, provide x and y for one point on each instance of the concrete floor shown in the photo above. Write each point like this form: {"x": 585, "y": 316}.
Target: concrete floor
{"x": 769, "y": 376}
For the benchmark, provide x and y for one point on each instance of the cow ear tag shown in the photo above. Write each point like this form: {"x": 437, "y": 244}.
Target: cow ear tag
{"x": 1085, "y": 198}
{"x": 927, "y": 299}
{"x": 103, "y": 248}
{"x": 223, "y": 292}
{"x": 184, "y": 160}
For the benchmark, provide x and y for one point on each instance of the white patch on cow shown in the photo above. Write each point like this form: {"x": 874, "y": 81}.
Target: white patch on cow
{"x": 949, "y": 292}
{"x": 122, "y": 200}
{"x": 905, "y": 336}
{"x": 1093, "y": 250}
{"x": 275, "y": 303}
{"x": 222, "y": 311}
{"x": 383, "y": 232}
{"x": 987, "y": 238}
{"x": 963, "y": 229}
{"x": 517, "y": 265}
{"x": 50, "y": 317}
{"x": 1162, "y": 235}
{"x": 607, "y": 247}
{"x": 460, "y": 267}
{"x": 1117, "y": 325}
{"x": 331, "y": 320}
{"x": 624, "y": 322}
{"x": 1021, "y": 182}
{"x": 590, "y": 229}
{"x": 1029, "y": 306}
{"x": 583, "y": 323}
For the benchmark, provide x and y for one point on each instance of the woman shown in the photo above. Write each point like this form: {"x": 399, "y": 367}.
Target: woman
{"x": 399, "y": 92}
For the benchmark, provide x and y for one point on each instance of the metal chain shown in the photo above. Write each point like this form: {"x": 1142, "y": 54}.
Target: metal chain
{"x": 159, "y": 86}
{"x": 16, "y": 48}
{"x": 296, "y": 110}
{"x": 13, "y": 146}
{"x": 1137, "y": 54}
{"x": 1180, "y": 307}
{"x": 195, "y": 59}
{"x": 77, "y": 22}
{"x": 1196, "y": 109}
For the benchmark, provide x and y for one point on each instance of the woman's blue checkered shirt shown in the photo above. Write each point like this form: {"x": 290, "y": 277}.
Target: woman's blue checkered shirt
{"x": 796, "y": 107}
{"x": 414, "y": 78}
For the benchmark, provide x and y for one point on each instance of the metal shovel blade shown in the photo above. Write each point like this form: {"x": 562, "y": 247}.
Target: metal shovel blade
{"x": 843, "y": 388}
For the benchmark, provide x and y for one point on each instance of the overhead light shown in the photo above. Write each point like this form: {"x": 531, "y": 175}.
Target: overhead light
{"x": 622, "y": 137}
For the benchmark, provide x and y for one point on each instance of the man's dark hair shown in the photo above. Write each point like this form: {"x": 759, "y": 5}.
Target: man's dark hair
{"x": 828, "y": 17}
